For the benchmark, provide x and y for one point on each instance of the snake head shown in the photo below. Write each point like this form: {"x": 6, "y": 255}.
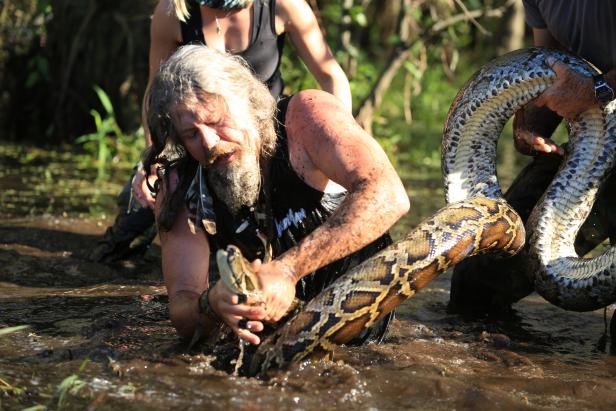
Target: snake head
{"x": 235, "y": 271}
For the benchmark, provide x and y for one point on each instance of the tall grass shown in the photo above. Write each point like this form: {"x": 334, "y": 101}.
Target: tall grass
{"x": 109, "y": 142}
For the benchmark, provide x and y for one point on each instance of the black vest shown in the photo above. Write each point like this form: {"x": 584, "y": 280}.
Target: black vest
{"x": 264, "y": 51}
{"x": 296, "y": 210}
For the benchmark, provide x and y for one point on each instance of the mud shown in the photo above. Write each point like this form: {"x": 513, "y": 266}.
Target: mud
{"x": 98, "y": 337}
{"x": 115, "y": 316}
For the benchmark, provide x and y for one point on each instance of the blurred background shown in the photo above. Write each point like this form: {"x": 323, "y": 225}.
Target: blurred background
{"x": 73, "y": 72}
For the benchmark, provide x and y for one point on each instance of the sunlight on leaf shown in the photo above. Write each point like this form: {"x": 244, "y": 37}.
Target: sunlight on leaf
{"x": 9, "y": 330}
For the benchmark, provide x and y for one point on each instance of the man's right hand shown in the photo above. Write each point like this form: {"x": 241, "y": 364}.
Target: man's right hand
{"x": 528, "y": 138}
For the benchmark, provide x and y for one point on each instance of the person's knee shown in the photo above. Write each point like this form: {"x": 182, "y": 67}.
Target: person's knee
{"x": 183, "y": 313}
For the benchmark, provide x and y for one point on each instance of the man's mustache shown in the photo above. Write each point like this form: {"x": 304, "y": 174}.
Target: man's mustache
{"x": 216, "y": 152}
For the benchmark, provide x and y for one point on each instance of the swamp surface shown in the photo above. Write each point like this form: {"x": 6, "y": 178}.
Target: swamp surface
{"x": 98, "y": 336}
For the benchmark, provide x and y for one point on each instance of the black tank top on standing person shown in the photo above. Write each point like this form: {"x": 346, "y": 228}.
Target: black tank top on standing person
{"x": 264, "y": 50}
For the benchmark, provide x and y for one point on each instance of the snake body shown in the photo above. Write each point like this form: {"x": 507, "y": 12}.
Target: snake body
{"x": 476, "y": 219}
{"x": 365, "y": 294}
{"x": 473, "y": 126}
{"x": 561, "y": 276}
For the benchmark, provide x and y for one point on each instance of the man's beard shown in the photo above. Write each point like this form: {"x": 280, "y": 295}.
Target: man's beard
{"x": 238, "y": 183}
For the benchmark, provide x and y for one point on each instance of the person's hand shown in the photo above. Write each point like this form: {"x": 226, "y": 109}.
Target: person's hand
{"x": 244, "y": 319}
{"x": 277, "y": 283}
{"x": 527, "y": 140}
{"x": 570, "y": 94}
{"x": 141, "y": 191}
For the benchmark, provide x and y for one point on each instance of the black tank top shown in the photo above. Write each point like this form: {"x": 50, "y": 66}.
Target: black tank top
{"x": 264, "y": 50}
{"x": 287, "y": 212}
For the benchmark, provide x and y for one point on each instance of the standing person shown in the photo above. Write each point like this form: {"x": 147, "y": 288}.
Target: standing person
{"x": 254, "y": 30}
{"x": 300, "y": 175}
{"x": 586, "y": 28}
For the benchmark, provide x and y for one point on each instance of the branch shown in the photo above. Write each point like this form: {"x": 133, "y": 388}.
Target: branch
{"x": 468, "y": 15}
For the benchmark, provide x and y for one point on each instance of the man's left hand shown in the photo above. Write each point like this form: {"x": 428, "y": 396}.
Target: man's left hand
{"x": 570, "y": 94}
{"x": 277, "y": 283}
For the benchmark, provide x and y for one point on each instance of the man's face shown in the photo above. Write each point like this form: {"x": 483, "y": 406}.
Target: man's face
{"x": 226, "y": 142}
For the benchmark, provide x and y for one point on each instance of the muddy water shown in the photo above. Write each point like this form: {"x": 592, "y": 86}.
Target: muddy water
{"x": 107, "y": 327}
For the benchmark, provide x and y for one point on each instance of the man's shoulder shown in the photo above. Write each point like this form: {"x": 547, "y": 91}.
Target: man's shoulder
{"x": 312, "y": 115}
{"x": 314, "y": 105}
{"x": 311, "y": 95}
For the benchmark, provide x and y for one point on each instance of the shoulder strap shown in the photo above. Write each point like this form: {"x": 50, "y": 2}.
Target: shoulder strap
{"x": 257, "y": 19}
{"x": 192, "y": 31}
{"x": 281, "y": 114}
{"x": 272, "y": 10}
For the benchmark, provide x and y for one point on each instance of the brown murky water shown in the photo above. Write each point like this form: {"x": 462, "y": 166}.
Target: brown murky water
{"x": 107, "y": 328}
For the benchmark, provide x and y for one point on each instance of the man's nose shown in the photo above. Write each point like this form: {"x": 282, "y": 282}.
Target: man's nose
{"x": 209, "y": 137}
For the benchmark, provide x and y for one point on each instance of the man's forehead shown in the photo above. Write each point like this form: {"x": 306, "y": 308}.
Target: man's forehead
{"x": 200, "y": 110}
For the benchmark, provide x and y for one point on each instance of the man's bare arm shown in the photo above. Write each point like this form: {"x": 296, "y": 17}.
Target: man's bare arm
{"x": 325, "y": 145}
{"x": 185, "y": 264}
{"x": 570, "y": 95}
{"x": 336, "y": 147}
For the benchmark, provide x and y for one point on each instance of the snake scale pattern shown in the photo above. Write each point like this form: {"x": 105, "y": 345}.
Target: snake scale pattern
{"x": 473, "y": 126}
{"x": 476, "y": 219}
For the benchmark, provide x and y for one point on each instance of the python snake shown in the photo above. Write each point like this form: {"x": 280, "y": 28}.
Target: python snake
{"x": 476, "y": 219}
{"x": 473, "y": 126}
{"x": 366, "y": 293}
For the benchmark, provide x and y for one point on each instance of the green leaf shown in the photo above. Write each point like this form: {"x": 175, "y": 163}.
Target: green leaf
{"x": 86, "y": 138}
{"x": 9, "y": 330}
{"x": 105, "y": 101}
{"x": 98, "y": 121}
{"x": 64, "y": 386}
{"x": 67, "y": 382}
{"x": 358, "y": 16}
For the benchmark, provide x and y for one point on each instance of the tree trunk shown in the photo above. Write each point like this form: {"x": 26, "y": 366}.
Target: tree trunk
{"x": 512, "y": 39}
{"x": 349, "y": 62}
{"x": 514, "y": 25}
{"x": 399, "y": 54}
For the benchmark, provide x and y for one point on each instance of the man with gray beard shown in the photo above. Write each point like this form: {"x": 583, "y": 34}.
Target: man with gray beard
{"x": 298, "y": 177}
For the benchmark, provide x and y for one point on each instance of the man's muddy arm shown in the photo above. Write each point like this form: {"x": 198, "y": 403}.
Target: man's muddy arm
{"x": 339, "y": 149}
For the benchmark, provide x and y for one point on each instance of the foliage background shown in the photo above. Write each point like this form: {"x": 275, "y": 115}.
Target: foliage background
{"x": 53, "y": 53}
{"x": 73, "y": 72}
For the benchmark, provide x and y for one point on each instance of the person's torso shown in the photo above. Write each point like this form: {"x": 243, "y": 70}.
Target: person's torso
{"x": 288, "y": 211}
{"x": 584, "y": 27}
{"x": 264, "y": 51}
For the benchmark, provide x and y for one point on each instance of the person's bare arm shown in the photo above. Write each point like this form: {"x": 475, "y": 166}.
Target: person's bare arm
{"x": 571, "y": 93}
{"x": 325, "y": 145}
{"x": 543, "y": 38}
{"x": 534, "y": 123}
{"x": 185, "y": 260}
{"x": 165, "y": 37}
{"x": 297, "y": 19}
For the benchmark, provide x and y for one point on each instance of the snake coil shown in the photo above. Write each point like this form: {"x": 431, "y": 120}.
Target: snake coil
{"x": 476, "y": 219}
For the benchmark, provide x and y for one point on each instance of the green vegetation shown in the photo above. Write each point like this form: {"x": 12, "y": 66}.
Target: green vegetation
{"x": 9, "y": 330}
{"x": 70, "y": 386}
{"x": 79, "y": 95}
{"x": 109, "y": 141}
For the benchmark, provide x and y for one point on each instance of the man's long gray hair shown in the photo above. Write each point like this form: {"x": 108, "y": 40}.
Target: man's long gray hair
{"x": 197, "y": 75}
